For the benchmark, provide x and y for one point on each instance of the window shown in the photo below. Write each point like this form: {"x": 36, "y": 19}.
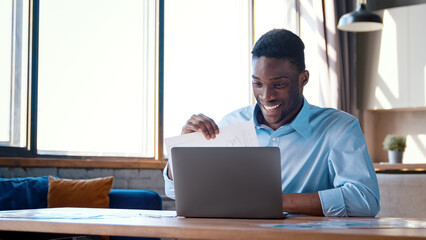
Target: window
{"x": 270, "y": 14}
{"x": 96, "y": 78}
{"x": 14, "y": 16}
{"x": 112, "y": 78}
{"x": 206, "y": 59}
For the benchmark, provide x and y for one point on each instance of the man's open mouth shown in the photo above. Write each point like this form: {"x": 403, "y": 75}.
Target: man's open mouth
{"x": 270, "y": 108}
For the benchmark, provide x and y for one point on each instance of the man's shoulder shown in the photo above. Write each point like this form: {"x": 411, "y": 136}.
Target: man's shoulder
{"x": 237, "y": 116}
{"x": 332, "y": 123}
{"x": 331, "y": 116}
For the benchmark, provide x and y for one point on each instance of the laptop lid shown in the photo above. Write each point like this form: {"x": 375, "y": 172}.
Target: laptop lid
{"x": 227, "y": 182}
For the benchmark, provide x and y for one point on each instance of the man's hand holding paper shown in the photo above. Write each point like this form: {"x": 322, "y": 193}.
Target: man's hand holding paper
{"x": 238, "y": 135}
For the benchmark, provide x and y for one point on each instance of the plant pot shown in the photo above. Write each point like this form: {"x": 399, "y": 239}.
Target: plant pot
{"x": 395, "y": 156}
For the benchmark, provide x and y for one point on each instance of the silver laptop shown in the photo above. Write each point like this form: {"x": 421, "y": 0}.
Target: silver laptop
{"x": 227, "y": 182}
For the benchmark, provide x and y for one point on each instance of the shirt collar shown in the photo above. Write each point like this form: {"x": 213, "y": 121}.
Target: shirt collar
{"x": 300, "y": 123}
{"x": 256, "y": 110}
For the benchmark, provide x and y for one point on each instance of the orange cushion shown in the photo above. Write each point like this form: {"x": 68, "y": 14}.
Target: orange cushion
{"x": 92, "y": 193}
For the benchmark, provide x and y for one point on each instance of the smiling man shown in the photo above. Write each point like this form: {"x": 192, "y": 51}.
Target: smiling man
{"x": 325, "y": 166}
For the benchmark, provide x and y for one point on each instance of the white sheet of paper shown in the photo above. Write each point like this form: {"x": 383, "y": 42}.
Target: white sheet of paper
{"x": 238, "y": 135}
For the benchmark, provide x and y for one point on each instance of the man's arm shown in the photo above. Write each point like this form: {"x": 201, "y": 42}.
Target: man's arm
{"x": 302, "y": 203}
{"x": 169, "y": 173}
{"x": 356, "y": 191}
{"x": 169, "y": 188}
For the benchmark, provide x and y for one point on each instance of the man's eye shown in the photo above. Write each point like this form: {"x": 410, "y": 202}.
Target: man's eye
{"x": 280, "y": 84}
{"x": 257, "y": 84}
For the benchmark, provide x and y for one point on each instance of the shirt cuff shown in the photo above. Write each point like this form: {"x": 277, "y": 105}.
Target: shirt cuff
{"x": 169, "y": 187}
{"x": 332, "y": 202}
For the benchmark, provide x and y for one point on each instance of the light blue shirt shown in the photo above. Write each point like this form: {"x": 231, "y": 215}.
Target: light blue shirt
{"x": 322, "y": 150}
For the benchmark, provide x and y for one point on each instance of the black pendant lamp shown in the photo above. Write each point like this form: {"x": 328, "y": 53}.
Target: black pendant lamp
{"x": 360, "y": 20}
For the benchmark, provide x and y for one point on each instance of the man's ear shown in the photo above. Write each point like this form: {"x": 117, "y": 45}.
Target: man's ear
{"x": 304, "y": 78}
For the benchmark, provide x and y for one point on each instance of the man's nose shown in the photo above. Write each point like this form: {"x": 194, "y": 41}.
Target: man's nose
{"x": 268, "y": 94}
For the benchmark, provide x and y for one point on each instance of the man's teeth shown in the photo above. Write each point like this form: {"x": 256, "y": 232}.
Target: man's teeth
{"x": 271, "y": 108}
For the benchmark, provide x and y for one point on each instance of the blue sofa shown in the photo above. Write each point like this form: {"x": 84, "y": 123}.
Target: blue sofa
{"x": 31, "y": 193}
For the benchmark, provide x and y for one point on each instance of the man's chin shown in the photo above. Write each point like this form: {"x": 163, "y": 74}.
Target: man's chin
{"x": 271, "y": 120}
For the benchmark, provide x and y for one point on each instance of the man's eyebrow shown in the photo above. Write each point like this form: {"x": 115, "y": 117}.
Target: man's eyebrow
{"x": 277, "y": 78}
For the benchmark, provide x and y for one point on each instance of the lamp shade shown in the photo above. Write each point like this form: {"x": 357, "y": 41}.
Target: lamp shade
{"x": 360, "y": 20}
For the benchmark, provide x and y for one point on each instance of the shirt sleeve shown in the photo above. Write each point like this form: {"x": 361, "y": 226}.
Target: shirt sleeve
{"x": 356, "y": 191}
{"x": 169, "y": 187}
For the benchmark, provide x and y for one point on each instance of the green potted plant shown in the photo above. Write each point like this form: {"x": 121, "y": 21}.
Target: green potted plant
{"x": 395, "y": 145}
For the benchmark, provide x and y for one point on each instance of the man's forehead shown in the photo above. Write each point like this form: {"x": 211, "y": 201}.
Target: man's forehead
{"x": 273, "y": 65}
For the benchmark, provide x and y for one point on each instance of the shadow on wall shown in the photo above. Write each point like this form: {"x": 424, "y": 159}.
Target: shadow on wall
{"x": 391, "y": 73}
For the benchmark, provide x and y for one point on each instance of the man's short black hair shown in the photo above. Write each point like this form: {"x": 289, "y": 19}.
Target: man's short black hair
{"x": 281, "y": 44}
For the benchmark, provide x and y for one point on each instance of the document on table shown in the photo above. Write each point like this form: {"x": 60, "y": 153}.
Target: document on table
{"x": 66, "y": 213}
{"x": 83, "y": 213}
{"x": 354, "y": 224}
{"x": 238, "y": 135}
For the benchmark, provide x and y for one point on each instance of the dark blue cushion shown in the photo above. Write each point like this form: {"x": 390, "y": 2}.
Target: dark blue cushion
{"x": 23, "y": 193}
{"x": 135, "y": 199}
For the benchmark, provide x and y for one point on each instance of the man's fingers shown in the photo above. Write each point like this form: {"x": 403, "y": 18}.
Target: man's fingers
{"x": 200, "y": 126}
{"x": 203, "y": 124}
{"x": 210, "y": 125}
